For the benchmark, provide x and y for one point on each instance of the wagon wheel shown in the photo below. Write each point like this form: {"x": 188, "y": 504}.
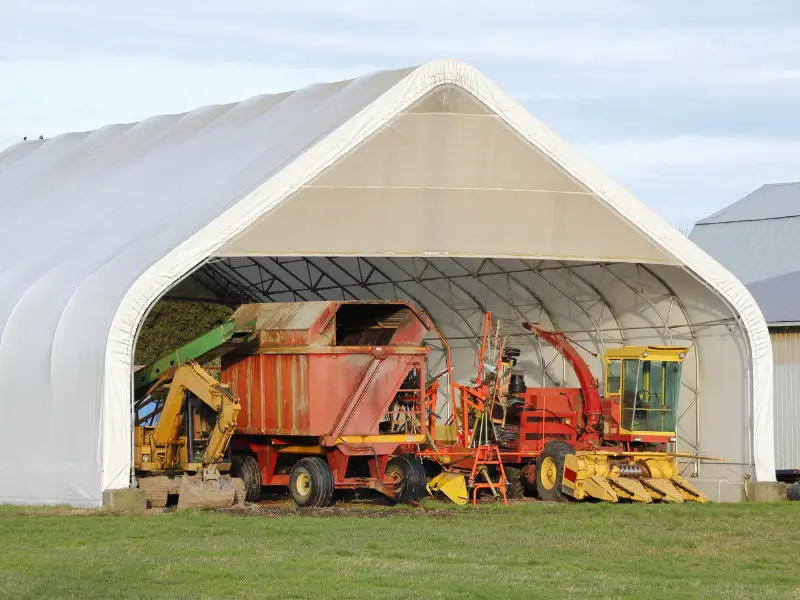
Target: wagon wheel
{"x": 311, "y": 483}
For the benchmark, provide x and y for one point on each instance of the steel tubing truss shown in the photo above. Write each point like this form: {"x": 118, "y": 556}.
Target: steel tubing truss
{"x": 568, "y": 296}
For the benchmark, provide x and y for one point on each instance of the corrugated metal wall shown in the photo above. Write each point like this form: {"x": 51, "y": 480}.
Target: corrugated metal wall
{"x": 786, "y": 355}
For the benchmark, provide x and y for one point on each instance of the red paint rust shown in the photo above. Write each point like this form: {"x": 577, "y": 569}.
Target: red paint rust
{"x": 298, "y": 382}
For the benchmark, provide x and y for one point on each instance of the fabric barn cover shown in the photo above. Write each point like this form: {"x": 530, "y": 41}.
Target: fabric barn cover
{"x": 428, "y": 183}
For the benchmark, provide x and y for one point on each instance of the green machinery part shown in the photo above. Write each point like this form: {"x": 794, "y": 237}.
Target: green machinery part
{"x": 207, "y": 347}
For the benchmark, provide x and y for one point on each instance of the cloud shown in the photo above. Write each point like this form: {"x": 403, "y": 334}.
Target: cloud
{"x": 578, "y": 34}
{"x": 582, "y": 49}
{"x": 689, "y": 108}
{"x": 687, "y": 178}
{"x": 648, "y": 158}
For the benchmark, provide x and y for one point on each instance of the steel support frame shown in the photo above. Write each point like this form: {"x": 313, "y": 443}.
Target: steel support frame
{"x": 325, "y": 278}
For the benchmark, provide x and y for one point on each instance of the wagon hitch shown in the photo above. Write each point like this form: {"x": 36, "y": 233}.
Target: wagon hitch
{"x": 381, "y": 488}
{"x": 391, "y": 494}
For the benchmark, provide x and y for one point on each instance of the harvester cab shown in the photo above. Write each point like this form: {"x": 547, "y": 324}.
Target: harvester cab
{"x": 641, "y": 389}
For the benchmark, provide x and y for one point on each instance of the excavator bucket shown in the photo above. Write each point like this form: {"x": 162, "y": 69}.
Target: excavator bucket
{"x": 196, "y": 492}
{"x": 452, "y": 485}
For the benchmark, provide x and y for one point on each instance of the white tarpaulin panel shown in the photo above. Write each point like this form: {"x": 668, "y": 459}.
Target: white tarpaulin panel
{"x": 100, "y": 224}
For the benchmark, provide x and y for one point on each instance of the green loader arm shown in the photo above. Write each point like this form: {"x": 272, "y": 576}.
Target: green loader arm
{"x": 207, "y": 347}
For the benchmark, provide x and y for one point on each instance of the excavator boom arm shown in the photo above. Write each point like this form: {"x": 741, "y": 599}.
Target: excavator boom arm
{"x": 191, "y": 377}
{"x": 224, "y": 429}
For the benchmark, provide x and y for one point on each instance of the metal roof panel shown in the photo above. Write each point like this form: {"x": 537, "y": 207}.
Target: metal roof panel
{"x": 770, "y": 201}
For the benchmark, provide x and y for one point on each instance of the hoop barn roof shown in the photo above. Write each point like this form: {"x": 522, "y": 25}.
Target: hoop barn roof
{"x": 100, "y": 224}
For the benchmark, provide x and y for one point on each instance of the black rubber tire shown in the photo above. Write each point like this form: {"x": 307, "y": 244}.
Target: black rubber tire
{"x": 529, "y": 485}
{"x": 320, "y": 483}
{"x": 411, "y": 473}
{"x": 793, "y": 491}
{"x": 245, "y": 467}
{"x": 515, "y": 488}
{"x": 431, "y": 468}
{"x": 555, "y": 450}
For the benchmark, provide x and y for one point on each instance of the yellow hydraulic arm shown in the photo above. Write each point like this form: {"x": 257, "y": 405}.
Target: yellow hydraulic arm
{"x": 191, "y": 377}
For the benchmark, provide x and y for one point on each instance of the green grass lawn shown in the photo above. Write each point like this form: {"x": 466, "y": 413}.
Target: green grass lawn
{"x": 531, "y": 550}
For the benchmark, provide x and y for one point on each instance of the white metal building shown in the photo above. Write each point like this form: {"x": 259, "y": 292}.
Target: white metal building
{"x": 758, "y": 239}
{"x": 429, "y": 184}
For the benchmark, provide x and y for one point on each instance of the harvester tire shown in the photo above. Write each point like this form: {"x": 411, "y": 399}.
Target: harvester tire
{"x": 515, "y": 489}
{"x": 793, "y": 491}
{"x": 245, "y": 467}
{"x": 550, "y": 471}
{"x": 411, "y": 474}
{"x": 311, "y": 483}
{"x": 527, "y": 477}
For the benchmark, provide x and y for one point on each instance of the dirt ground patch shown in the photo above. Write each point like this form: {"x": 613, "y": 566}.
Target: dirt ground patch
{"x": 281, "y": 509}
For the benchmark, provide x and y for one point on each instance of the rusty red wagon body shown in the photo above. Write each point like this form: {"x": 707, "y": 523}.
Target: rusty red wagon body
{"x": 334, "y": 381}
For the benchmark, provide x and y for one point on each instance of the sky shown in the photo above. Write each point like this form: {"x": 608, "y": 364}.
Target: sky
{"x": 690, "y": 105}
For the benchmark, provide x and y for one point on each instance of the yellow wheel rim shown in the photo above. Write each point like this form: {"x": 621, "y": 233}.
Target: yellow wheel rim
{"x": 303, "y": 484}
{"x": 549, "y": 473}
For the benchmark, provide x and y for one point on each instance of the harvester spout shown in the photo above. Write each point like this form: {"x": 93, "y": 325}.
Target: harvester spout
{"x": 590, "y": 388}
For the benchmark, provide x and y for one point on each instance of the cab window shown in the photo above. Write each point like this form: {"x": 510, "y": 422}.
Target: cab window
{"x": 613, "y": 377}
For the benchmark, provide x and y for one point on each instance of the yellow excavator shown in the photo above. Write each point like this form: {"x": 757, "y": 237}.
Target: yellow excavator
{"x": 184, "y": 424}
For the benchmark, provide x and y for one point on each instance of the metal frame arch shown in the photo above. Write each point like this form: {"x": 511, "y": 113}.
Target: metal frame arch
{"x": 452, "y": 307}
{"x": 673, "y": 295}
{"x": 514, "y": 307}
{"x": 295, "y": 284}
{"x": 696, "y": 348}
{"x": 568, "y": 297}
{"x": 542, "y": 307}
{"x": 668, "y": 330}
{"x": 647, "y": 300}
{"x": 600, "y": 296}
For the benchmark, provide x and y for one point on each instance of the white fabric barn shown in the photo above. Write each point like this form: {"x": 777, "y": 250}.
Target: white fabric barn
{"x": 429, "y": 184}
